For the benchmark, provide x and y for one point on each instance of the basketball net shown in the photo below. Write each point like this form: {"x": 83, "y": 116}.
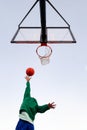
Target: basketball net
{"x": 44, "y": 52}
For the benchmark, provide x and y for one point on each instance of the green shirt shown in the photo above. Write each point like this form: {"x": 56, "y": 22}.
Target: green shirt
{"x": 30, "y": 104}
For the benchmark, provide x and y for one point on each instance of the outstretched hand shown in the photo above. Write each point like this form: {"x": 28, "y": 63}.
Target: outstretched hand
{"x": 27, "y": 78}
{"x": 52, "y": 105}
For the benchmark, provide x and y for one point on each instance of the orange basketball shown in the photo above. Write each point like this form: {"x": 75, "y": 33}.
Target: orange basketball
{"x": 30, "y": 71}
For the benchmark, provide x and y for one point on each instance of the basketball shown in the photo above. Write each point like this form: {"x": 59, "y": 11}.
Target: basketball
{"x": 30, "y": 71}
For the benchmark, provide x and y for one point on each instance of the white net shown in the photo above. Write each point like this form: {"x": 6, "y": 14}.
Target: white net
{"x": 44, "y": 60}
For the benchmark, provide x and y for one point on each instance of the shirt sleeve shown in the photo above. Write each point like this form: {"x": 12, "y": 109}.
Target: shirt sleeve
{"x": 43, "y": 108}
{"x": 27, "y": 90}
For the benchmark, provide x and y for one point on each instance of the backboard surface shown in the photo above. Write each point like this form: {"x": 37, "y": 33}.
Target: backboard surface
{"x": 31, "y": 35}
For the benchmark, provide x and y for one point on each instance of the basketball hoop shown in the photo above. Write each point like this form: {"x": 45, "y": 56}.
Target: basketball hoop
{"x": 44, "y": 52}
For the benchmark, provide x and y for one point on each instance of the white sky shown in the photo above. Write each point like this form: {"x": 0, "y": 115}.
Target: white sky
{"x": 63, "y": 81}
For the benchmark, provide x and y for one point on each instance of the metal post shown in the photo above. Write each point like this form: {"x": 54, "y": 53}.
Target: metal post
{"x": 43, "y": 37}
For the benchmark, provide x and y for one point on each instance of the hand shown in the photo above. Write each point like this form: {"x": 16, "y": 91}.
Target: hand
{"x": 27, "y": 78}
{"x": 52, "y": 105}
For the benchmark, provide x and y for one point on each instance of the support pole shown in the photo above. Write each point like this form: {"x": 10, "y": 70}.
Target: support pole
{"x": 43, "y": 37}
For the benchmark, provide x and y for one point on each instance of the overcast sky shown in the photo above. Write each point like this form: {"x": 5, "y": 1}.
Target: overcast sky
{"x": 63, "y": 80}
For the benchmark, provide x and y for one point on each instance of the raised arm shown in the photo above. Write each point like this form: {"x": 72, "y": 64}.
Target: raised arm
{"x": 27, "y": 90}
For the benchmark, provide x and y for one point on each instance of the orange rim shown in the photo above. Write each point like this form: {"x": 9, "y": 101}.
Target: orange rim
{"x": 46, "y": 46}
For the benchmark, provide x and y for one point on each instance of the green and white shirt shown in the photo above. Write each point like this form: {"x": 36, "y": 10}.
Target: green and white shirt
{"x": 29, "y": 107}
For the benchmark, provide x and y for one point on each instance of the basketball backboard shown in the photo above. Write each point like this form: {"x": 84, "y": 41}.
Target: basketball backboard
{"x": 31, "y": 35}
{"x": 57, "y": 28}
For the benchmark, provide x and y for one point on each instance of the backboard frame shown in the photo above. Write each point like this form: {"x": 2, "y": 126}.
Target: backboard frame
{"x": 38, "y": 41}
